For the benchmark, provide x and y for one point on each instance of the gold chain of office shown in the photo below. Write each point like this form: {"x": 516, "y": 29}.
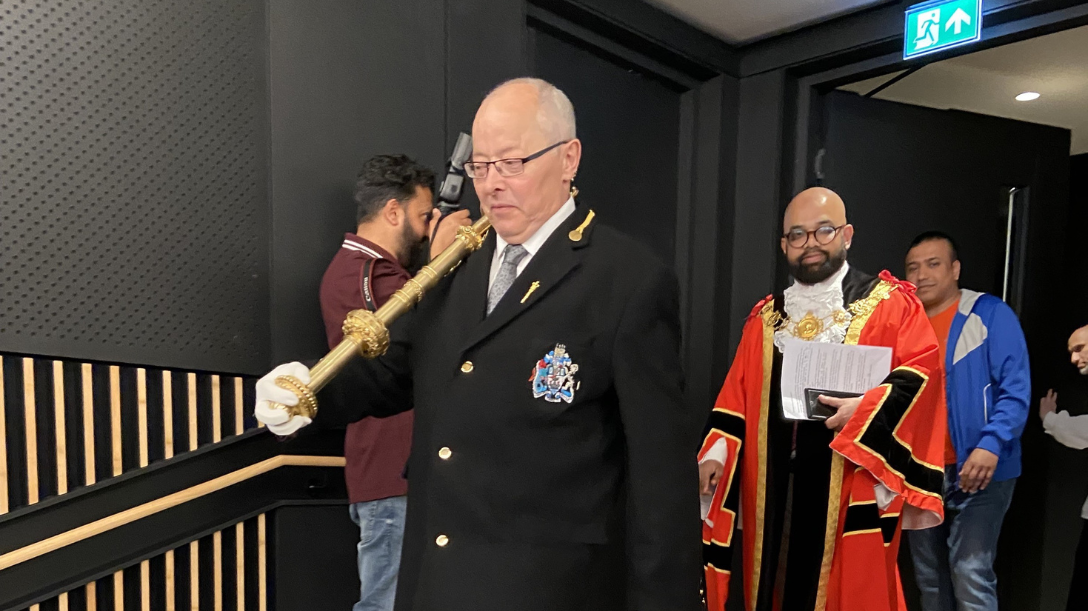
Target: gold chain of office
{"x": 809, "y": 327}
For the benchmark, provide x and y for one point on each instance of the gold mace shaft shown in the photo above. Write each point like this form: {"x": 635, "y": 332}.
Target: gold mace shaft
{"x": 366, "y": 333}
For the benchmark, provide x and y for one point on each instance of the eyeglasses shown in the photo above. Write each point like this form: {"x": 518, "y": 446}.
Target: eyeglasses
{"x": 506, "y": 168}
{"x": 797, "y": 238}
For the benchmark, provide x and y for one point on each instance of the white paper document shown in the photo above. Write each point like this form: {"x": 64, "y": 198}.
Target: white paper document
{"x": 836, "y": 367}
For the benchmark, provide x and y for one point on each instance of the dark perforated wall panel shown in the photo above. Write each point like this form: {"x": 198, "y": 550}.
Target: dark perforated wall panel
{"x": 133, "y": 199}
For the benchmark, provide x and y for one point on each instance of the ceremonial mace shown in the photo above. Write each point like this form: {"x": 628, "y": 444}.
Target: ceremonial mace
{"x": 366, "y": 333}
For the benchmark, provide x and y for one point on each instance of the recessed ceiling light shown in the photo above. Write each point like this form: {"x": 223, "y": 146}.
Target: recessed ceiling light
{"x": 1027, "y": 96}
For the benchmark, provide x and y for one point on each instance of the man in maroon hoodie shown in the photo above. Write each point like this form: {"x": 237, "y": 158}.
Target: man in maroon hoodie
{"x": 395, "y": 216}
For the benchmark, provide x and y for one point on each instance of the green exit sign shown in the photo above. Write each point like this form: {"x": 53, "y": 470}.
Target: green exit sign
{"x": 941, "y": 24}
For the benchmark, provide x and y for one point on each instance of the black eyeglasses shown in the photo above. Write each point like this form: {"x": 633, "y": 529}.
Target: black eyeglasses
{"x": 477, "y": 170}
{"x": 797, "y": 238}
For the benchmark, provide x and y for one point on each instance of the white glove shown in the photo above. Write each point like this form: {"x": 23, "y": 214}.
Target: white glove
{"x": 276, "y": 418}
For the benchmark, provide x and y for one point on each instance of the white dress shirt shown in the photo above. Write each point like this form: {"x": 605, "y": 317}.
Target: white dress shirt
{"x": 1070, "y": 431}
{"x": 533, "y": 244}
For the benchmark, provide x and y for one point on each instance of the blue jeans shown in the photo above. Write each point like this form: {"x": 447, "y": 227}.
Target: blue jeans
{"x": 381, "y": 532}
{"x": 954, "y": 562}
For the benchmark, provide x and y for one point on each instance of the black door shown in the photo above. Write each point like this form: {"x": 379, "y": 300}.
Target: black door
{"x": 629, "y": 125}
{"x": 905, "y": 169}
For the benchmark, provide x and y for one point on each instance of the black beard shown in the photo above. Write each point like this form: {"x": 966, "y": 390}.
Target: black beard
{"x": 815, "y": 274}
{"x": 414, "y": 250}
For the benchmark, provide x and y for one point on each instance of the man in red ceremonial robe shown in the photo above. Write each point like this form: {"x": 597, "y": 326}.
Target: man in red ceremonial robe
{"x": 821, "y": 504}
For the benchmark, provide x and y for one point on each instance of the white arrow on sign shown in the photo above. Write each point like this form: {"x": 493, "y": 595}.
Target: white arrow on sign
{"x": 959, "y": 19}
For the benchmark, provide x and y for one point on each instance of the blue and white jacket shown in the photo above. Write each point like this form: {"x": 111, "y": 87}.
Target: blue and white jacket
{"x": 988, "y": 381}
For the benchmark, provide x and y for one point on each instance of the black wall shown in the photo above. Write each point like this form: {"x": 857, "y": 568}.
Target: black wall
{"x": 177, "y": 179}
{"x": 354, "y": 79}
{"x": 757, "y": 223}
{"x": 347, "y": 80}
{"x": 174, "y": 179}
{"x": 346, "y": 83}
{"x": 319, "y": 570}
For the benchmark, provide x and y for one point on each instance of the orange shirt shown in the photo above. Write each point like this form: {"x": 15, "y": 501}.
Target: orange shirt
{"x": 942, "y": 324}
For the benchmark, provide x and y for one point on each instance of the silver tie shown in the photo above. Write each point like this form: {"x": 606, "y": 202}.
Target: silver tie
{"x": 513, "y": 255}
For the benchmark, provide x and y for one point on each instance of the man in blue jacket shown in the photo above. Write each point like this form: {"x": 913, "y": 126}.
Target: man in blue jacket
{"x": 988, "y": 391}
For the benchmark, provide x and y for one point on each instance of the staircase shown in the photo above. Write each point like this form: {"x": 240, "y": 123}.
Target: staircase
{"x": 143, "y": 489}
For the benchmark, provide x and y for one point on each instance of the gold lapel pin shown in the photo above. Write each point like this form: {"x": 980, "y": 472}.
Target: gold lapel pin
{"x": 576, "y": 235}
{"x": 534, "y": 286}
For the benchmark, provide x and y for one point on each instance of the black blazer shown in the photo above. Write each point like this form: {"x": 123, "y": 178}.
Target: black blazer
{"x": 515, "y": 502}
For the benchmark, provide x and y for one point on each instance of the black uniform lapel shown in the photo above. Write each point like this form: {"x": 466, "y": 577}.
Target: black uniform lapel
{"x": 558, "y": 257}
{"x": 470, "y": 293}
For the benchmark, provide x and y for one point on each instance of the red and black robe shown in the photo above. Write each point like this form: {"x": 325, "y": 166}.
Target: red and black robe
{"x": 814, "y": 536}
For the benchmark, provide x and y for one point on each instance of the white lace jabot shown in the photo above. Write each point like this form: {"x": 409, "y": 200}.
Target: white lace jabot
{"x": 821, "y": 302}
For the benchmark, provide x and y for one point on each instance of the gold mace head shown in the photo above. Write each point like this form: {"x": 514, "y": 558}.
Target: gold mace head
{"x": 368, "y": 333}
{"x": 472, "y": 238}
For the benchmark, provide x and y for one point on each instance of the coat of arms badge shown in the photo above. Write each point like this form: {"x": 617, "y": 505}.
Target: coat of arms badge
{"x": 553, "y": 377}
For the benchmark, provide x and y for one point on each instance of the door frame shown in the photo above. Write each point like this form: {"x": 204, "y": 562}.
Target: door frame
{"x": 708, "y": 102}
{"x": 799, "y": 111}
{"x": 807, "y": 82}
